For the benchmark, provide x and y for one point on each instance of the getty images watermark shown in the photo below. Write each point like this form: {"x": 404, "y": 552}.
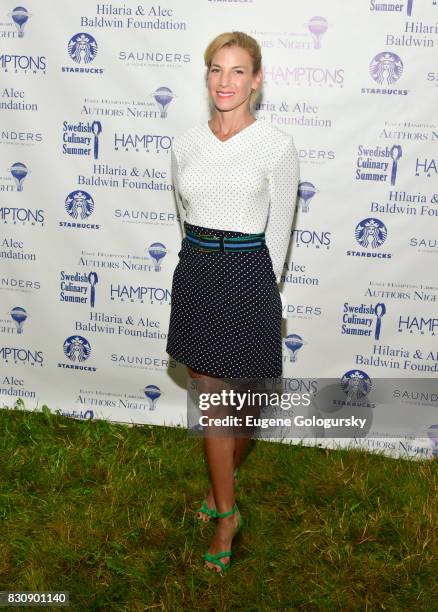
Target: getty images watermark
{"x": 240, "y": 402}
{"x": 350, "y": 406}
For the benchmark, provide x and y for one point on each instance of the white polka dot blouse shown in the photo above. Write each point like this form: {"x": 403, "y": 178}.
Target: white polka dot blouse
{"x": 247, "y": 183}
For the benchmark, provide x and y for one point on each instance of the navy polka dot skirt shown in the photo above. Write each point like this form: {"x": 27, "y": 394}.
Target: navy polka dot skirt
{"x": 226, "y": 311}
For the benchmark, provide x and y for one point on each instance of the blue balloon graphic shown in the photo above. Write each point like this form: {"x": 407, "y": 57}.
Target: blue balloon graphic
{"x": 152, "y": 393}
{"x": 19, "y": 172}
{"x": 306, "y": 191}
{"x": 19, "y": 315}
{"x": 163, "y": 96}
{"x": 317, "y": 26}
{"x": 293, "y": 343}
{"x": 157, "y": 251}
{"x": 20, "y": 17}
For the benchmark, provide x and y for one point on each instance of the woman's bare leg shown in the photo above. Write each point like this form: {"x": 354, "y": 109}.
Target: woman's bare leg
{"x": 220, "y": 452}
{"x": 239, "y": 447}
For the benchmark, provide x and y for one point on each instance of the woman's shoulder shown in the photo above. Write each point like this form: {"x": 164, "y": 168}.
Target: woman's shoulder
{"x": 274, "y": 142}
{"x": 273, "y": 133}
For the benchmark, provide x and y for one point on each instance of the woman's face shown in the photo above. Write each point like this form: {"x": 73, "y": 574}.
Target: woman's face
{"x": 230, "y": 78}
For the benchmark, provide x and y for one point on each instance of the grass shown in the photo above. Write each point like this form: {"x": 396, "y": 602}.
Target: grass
{"x": 106, "y": 512}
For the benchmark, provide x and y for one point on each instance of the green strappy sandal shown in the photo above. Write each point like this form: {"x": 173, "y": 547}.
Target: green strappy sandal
{"x": 211, "y": 512}
{"x": 216, "y": 559}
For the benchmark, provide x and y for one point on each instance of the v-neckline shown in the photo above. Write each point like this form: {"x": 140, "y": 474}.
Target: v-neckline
{"x": 232, "y": 137}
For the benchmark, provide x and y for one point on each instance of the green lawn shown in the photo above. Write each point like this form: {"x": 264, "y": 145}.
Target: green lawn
{"x": 106, "y": 512}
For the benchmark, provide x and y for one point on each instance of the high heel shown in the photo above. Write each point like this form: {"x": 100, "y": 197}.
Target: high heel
{"x": 216, "y": 559}
{"x": 211, "y": 512}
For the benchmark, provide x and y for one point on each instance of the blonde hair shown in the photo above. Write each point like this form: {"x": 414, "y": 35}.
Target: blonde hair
{"x": 244, "y": 41}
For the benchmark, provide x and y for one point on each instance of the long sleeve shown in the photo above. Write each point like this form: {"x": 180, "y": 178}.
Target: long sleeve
{"x": 178, "y": 198}
{"x": 283, "y": 186}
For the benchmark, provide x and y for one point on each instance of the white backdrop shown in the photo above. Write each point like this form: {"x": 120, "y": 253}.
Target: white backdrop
{"x": 92, "y": 95}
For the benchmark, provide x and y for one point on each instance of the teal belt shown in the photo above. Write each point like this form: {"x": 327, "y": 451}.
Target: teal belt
{"x": 225, "y": 244}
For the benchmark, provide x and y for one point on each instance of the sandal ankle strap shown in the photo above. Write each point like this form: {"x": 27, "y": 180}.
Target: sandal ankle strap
{"x": 233, "y": 510}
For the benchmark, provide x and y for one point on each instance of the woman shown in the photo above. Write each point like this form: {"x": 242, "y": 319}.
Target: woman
{"x": 235, "y": 182}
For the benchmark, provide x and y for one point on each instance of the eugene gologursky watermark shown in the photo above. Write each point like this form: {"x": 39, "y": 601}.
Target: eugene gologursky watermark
{"x": 351, "y": 406}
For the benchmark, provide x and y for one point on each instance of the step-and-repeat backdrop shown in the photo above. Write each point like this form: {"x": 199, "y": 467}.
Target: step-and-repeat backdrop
{"x": 92, "y": 95}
